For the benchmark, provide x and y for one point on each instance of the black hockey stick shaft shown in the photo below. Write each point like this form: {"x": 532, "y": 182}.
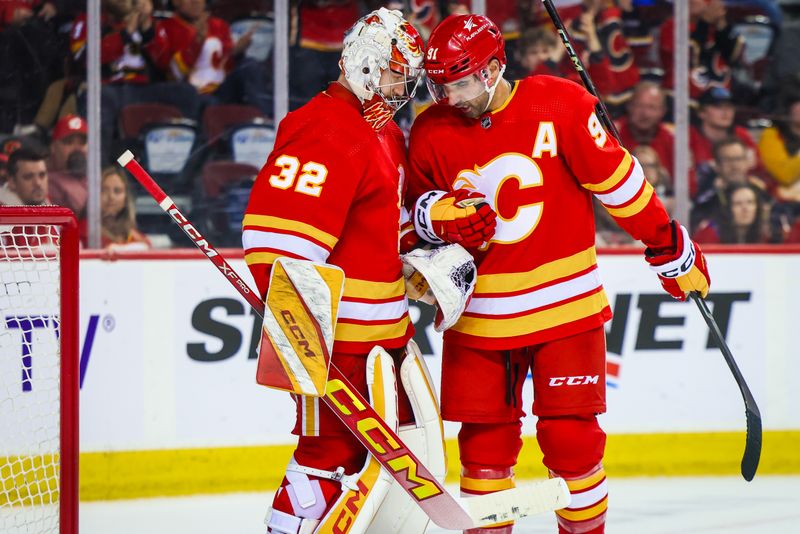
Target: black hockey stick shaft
{"x": 752, "y": 449}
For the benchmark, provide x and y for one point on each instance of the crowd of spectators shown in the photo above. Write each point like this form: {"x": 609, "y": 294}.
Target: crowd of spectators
{"x": 201, "y": 69}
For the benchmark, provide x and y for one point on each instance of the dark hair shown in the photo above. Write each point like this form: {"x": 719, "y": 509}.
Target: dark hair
{"x": 728, "y": 141}
{"x": 727, "y": 230}
{"x": 23, "y": 154}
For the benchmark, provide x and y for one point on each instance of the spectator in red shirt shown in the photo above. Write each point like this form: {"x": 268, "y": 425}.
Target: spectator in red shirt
{"x": 597, "y": 27}
{"x": 716, "y": 114}
{"x": 644, "y": 123}
{"x": 67, "y": 164}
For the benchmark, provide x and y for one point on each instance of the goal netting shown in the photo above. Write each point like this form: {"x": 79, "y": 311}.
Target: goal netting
{"x": 38, "y": 370}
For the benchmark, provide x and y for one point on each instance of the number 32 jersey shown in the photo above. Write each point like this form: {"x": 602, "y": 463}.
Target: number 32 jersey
{"x": 330, "y": 192}
{"x": 539, "y": 160}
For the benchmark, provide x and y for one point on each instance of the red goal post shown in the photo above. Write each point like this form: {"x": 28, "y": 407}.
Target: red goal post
{"x": 39, "y": 370}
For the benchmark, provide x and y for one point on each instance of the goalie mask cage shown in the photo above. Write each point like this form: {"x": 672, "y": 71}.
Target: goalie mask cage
{"x": 38, "y": 370}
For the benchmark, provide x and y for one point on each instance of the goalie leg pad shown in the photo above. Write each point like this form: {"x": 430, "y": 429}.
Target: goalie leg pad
{"x": 353, "y": 511}
{"x": 331, "y": 501}
{"x": 573, "y": 449}
{"x": 425, "y": 437}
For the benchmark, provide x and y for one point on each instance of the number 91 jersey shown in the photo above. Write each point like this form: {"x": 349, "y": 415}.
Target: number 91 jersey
{"x": 538, "y": 160}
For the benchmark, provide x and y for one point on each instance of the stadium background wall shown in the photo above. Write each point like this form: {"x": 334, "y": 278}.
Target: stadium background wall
{"x": 169, "y": 404}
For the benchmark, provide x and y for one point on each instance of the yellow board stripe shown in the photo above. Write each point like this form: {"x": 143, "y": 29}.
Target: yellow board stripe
{"x": 638, "y": 205}
{"x": 370, "y": 332}
{"x": 267, "y": 221}
{"x": 152, "y": 473}
{"x": 533, "y": 322}
{"x": 486, "y": 485}
{"x": 353, "y": 287}
{"x": 561, "y": 268}
{"x": 588, "y": 482}
{"x": 612, "y": 181}
{"x": 581, "y": 515}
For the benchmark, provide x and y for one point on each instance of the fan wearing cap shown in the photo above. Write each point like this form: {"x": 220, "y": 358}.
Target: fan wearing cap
{"x": 67, "y": 164}
{"x": 534, "y": 153}
{"x": 716, "y": 114}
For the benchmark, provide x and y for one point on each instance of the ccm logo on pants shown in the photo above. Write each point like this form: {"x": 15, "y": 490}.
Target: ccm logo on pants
{"x": 573, "y": 380}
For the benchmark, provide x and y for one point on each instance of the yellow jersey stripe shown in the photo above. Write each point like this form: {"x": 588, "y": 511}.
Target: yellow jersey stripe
{"x": 353, "y": 287}
{"x": 370, "y": 332}
{"x": 612, "y": 181}
{"x": 269, "y": 258}
{"x": 560, "y": 268}
{"x": 583, "y": 483}
{"x": 309, "y": 415}
{"x": 638, "y": 205}
{"x": 533, "y": 322}
{"x": 267, "y": 221}
{"x": 486, "y": 485}
{"x": 582, "y": 515}
{"x": 508, "y": 100}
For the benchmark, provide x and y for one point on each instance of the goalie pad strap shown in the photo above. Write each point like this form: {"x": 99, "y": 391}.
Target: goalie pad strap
{"x": 348, "y": 481}
{"x": 422, "y": 216}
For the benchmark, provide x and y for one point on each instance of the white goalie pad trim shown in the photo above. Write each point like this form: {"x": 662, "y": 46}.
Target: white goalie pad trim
{"x": 359, "y": 509}
{"x": 314, "y": 291}
{"x": 283, "y": 523}
{"x": 422, "y": 216}
{"x": 451, "y": 275}
{"x": 683, "y": 264}
{"x": 399, "y": 514}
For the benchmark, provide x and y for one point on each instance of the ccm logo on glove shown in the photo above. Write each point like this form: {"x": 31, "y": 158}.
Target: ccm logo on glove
{"x": 461, "y": 216}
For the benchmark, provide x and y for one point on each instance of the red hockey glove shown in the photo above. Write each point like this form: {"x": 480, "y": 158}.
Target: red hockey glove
{"x": 682, "y": 267}
{"x": 461, "y": 216}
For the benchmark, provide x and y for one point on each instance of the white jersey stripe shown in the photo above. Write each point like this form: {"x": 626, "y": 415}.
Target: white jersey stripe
{"x": 536, "y": 298}
{"x": 628, "y": 190}
{"x": 366, "y": 311}
{"x": 285, "y": 242}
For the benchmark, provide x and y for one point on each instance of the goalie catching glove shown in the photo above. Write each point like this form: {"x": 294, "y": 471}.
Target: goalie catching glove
{"x": 682, "y": 267}
{"x": 461, "y": 216}
{"x": 444, "y": 277}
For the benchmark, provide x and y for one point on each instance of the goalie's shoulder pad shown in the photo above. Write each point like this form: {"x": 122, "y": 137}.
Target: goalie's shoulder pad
{"x": 451, "y": 275}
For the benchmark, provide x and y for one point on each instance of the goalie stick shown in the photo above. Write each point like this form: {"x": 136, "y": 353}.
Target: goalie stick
{"x": 752, "y": 447}
{"x": 377, "y": 437}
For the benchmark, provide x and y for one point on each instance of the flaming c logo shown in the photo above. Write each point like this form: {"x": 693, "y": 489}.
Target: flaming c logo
{"x": 377, "y": 114}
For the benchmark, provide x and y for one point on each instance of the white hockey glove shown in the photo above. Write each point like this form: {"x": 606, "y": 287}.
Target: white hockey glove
{"x": 444, "y": 277}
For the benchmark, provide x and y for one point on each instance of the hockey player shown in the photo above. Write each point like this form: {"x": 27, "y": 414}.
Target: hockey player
{"x": 535, "y": 153}
{"x": 330, "y": 192}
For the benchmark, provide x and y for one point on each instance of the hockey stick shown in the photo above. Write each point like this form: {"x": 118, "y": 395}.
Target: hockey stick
{"x": 371, "y": 430}
{"x": 752, "y": 448}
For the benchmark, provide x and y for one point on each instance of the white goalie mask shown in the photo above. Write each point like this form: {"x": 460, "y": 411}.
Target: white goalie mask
{"x": 379, "y": 41}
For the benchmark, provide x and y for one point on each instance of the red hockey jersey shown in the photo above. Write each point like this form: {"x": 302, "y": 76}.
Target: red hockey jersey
{"x": 181, "y": 56}
{"x": 538, "y": 160}
{"x": 330, "y": 192}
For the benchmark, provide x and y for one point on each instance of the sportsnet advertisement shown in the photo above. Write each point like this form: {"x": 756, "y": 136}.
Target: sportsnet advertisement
{"x": 168, "y": 354}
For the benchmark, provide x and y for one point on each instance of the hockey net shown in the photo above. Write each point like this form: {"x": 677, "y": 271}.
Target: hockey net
{"x": 38, "y": 370}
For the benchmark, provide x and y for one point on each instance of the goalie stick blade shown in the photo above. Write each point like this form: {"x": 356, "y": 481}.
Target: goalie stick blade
{"x": 752, "y": 447}
{"x": 515, "y": 503}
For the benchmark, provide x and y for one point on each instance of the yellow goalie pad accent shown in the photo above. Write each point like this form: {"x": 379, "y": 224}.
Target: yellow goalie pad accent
{"x": 299, "y": 320}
